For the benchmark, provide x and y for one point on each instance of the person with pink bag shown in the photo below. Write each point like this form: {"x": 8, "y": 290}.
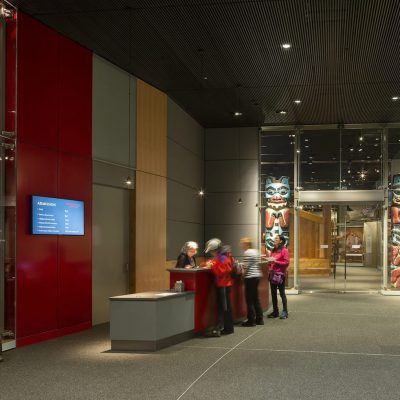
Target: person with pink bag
{"x": 279, "y": 262}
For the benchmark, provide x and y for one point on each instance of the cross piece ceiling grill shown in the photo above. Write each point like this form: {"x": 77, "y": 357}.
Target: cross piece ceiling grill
{"x": 343, "y": 62}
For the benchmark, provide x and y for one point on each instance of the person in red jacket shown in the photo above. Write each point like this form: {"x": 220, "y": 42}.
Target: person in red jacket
{"x": 279, "y": 259}
{"x": 221, "y": 267}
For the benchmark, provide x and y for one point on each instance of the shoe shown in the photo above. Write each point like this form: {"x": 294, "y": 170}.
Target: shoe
{"x": 273, "y": 315}
{"x": 213, "y": 333}
{"x": 284, "y": 315}
{"x": 224, "y": 332}
{"x": 248, "y": 323}
{"x": 260, "y": 322}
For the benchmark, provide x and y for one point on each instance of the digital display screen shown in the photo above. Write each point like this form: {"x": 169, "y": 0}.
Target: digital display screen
{"x": 52, "y": 216}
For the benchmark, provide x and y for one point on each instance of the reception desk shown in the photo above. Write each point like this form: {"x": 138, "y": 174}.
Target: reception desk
{"x": 201, "y": 282}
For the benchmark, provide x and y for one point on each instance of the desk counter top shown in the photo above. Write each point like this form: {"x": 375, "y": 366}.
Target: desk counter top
{"x": 188, "y": 270}
{"x": 151, "y": 296}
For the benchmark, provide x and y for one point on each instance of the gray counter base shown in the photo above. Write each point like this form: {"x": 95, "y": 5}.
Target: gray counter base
{"x": 151, "y": 321}
{"x": 150, "y": 345}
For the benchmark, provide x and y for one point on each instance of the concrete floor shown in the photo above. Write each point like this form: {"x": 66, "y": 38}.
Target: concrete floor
{"x": 333, "y": 346}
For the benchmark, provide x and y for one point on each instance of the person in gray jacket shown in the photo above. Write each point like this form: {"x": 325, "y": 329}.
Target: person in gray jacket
{"x": 252, "y": 275}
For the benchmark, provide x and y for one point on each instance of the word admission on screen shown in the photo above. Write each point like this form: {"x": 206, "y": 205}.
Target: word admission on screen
{"x": 53, "y": 216}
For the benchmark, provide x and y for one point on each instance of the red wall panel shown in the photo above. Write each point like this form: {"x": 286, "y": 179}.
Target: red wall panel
{"x": 53, "y": 159}
{"x": 75, "y": 66}
{"x": 36, "y": 255}
{"x": 75, "y": 252}
{"x": 37, "y": 82}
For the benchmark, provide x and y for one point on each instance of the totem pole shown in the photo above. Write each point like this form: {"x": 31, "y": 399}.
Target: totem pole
{"x": 395, "y": 217}
{"x": 277, "y": 193}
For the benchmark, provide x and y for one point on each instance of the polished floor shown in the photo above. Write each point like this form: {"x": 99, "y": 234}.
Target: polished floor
{"x": 333, "y": 346}
{"x": 357, "y": 279}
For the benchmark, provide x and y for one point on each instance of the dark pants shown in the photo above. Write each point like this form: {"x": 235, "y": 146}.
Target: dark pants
{"x": 274, "y": 296}
{"x": 225, "y": 320}
{"x": 254, "y": 310}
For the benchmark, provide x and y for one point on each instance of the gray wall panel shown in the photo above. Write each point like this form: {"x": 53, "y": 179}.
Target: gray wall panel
{"x": 231, "y": 175}
{"x": 110, "y": 248}
{"x": 223, "y": 208}
{"x": 113, "y": 113}
{"x": 248, "y": 143}
{"x": 184, "y": 203}
{"x": 222, "y": 144}
{"x": 180, "y": 232}
{"x": 184, "y": 166}
{"x": 231, "y": 143}
{"x": 231, "y": 234}
{"x": 231, "y": 172}
{"x": 183, "y": 129}
{"x": 112, "y": 175}
{"x": 185, "y": 209}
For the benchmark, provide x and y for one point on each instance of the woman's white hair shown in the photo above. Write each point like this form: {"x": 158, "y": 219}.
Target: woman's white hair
{"x": 189, "y": 245}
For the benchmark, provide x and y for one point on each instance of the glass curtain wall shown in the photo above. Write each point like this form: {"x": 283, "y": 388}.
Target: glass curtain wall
{"x": 276, "y": 179}
{"x": 341, "y": 159}
{"x": 393, "y": 176}
{"x": 334, "y": 158}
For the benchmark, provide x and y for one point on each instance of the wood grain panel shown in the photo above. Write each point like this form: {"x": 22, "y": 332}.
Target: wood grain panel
{"x": 151, "y": 129}
{"x": 151, "y": 228}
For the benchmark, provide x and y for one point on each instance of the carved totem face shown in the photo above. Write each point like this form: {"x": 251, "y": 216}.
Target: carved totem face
{"x": 396, "y": 190}
{"x": 277, "y": 192}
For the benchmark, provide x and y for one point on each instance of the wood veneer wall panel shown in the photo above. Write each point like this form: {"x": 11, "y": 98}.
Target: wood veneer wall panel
{"x": 151, "y": 129}
{"x": 150, "y": 202}
{"x": 151, "y": 228}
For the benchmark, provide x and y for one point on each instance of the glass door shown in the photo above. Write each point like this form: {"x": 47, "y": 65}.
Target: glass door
{"x": 340, "y": 247}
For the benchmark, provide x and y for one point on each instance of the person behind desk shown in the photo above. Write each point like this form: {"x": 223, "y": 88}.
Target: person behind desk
{"x": 186, "y": 257}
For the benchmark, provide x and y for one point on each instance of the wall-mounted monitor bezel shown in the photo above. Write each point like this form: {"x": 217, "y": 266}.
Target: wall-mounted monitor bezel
{"x": 53, "y": 218}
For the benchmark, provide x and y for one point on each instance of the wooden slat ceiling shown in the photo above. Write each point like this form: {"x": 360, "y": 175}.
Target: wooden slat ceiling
{"x": 343, "y": 64}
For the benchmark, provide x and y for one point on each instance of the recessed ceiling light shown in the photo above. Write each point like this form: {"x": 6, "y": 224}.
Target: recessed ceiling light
{"x": 201, "y": 192}
{"x": 286, "y": 46}
{"x": 360, "y": 149}
{"x": 297, "y": 101}
{"x": 282, "y": 112}
{"x": 395, "y": 98}
{"x": 306, "y": 146}
{"x": 205, "y": 77}
{"x": 361, "y": 138}
{"x": 298, "y": 151}
{"x": 351, "y": 148}
{"x": 306, "y": 140}
{"x": 238, "y": 114}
